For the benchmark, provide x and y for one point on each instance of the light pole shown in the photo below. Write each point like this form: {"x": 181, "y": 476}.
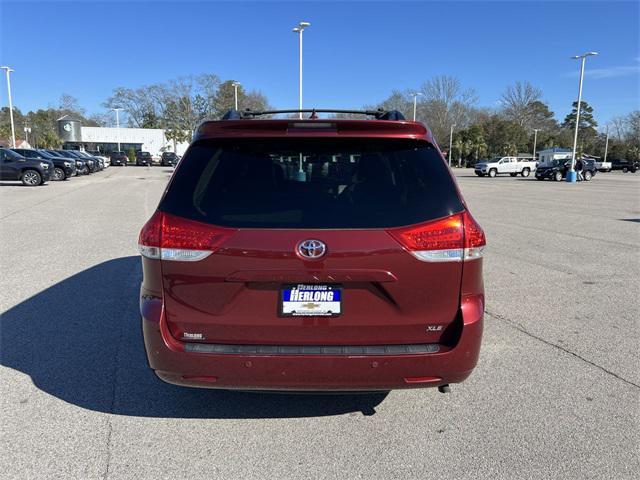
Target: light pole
{"x": 299, "y": 29}
{"x": 535, "y": 141}
{"x": 451, "y": 142}
{"x": 415, "y": 104}
{"x": 235, "y": 92}
{"x": 606, "y": 145}
{"x": 571, "y": 174}
{"x": 117, "y": 110}
{"x": 8, "y": 70}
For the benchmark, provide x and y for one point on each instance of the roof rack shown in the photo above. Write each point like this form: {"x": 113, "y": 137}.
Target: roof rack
{"x": 379, "y": 114}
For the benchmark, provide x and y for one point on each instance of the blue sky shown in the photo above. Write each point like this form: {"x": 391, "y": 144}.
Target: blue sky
{"x": 355, "y": 53}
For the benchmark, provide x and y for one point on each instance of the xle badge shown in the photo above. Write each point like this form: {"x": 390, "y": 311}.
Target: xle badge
{"x": 434, "y": 328}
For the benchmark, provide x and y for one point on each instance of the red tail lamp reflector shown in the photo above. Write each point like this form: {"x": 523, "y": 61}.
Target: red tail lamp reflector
{"x": 449, "y": 239}
{"x": 168, "y": 237}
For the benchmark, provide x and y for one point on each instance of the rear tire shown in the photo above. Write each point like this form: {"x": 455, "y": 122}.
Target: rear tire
{"x": 587, "y": 176}
{"x": 493, "y": 173}
{"x": 525, "y": 172}
{"x": 557, "y": 176}
{"x": 31, "y": 178}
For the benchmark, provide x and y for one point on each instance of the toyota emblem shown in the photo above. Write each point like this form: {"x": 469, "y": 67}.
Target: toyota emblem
{"x": 312, "y": 249}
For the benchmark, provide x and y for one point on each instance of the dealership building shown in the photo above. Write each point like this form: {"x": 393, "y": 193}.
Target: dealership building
{"x": 105, "y": 139}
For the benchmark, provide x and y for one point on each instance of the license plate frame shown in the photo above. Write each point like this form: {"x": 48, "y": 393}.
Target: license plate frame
{"x": 297, "y": 308}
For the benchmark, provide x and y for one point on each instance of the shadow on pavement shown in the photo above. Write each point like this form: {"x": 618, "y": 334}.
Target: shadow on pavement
{"x": 80, "y": 340}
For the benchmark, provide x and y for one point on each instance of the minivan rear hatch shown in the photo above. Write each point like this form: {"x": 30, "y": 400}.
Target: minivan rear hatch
{"x": 309, "y": 241}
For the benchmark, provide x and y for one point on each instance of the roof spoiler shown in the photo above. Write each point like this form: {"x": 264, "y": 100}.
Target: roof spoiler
{"x": 380, "y": 114}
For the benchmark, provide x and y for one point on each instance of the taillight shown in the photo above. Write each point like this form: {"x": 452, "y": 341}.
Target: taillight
{"x": 450, "y": 239}
{"x": 474, "y": 239}
{"x": 168, "y": 237}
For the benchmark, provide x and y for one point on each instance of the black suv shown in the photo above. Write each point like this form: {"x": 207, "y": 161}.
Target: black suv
{"x": 557, "y": 170}
{"x": 90, "y": 164}
{"x": 169, "y": 159}
{"x": 118, "y": 158}
{"x": 625, "y": 165}
{"x": 143, "y": 158}
{"x": 63, "y": 168}
{"x": 81, "y": 166}
{"x": 30, "y": 172}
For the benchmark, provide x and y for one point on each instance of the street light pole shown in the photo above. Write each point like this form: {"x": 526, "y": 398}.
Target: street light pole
{"x": 535, "y": 141}
{"x": 8, "y": 70}
{"x": 451, "y": 142}
{"x": 606, "y": 145}
{"x": 235, "y": 92}
{"x": 299, "y": 29}
{"x": 415, "y": 104}
{"x": 571, "y": 174}
{"x": 117, "y": 110}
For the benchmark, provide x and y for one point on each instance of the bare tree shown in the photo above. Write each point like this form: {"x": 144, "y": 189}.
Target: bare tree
{"x": 69, "y": 104}
{"x": 445, "y": 102}
{"x": 619, "y": 127}
{"x": 632, "y": 121}
{"x": 517, "y": 101}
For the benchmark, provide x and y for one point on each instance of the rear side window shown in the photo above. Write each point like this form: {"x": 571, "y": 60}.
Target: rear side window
{"x": 312, "y": 183}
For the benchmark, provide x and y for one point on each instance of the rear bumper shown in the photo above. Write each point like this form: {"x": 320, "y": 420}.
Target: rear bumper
{"x": 167, "y": 356}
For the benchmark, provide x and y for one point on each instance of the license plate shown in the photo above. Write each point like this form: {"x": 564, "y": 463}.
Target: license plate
{"x": 303, "y": 300}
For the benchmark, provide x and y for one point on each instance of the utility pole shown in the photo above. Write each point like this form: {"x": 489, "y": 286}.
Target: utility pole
{"x": 535, "y": 141}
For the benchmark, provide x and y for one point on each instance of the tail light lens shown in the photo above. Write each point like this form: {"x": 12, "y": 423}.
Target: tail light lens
{"x": 168, "y": 237}
{"x": 450, "y": 239}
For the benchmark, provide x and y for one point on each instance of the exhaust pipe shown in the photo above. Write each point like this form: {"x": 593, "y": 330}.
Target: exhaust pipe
{"x": 444, "y": 388}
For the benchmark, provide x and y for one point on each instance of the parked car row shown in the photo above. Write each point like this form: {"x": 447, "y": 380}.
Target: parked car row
{"x": 555, "y": 170}
{"x": 35, "y": 167}
{"x": 120, "y": 159}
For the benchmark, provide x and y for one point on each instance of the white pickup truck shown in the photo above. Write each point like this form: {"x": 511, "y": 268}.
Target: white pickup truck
{"x": 501, "y": 165}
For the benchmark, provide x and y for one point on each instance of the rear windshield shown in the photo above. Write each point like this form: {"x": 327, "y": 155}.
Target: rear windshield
{"x": 312, "y": 183}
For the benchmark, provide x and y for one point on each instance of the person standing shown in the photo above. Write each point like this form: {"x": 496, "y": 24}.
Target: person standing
{"x": 579, "y": 169}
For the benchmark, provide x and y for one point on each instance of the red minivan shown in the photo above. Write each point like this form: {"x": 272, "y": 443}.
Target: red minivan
{"x": 312, "y": 255}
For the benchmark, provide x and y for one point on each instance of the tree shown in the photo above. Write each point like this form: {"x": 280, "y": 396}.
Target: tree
{"x": 519, "y": 101}
{"x": 504, "y": 137}
{"x": 224, "y": 99}
{"x": 69, "y": 105}
{"x": 150, "y": 120}
{"x": 47, "y": 139}
{"x": 400, "y": 101}
{"x": 445, "y": 102}
{"x": 587, "y": 132}
{"x": 150, "y": 101}
{"x": 586, "y": 117}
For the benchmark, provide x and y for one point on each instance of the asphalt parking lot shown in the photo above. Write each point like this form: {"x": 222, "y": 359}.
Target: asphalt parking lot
{"x": 556, "y": 393}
